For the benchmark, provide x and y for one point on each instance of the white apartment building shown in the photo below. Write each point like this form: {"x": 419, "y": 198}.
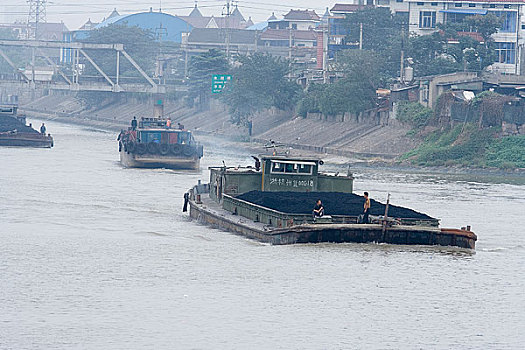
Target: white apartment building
{"x": 509, "y": 40}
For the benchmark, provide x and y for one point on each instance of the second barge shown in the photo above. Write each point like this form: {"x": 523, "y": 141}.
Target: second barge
{"x": 271, "y": 202}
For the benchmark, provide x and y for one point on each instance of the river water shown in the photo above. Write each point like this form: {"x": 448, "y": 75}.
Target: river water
{"x": 96, "y": 256}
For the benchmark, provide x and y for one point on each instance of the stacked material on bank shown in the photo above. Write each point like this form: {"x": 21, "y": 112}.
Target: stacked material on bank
{"x": 334, "y": 203}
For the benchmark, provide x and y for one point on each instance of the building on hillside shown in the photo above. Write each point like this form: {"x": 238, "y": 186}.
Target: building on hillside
{"x": 431, "y": 87}
{"x": 235, "y": 21}
{"x": 49, "y": 31}
{"x": 297, "y": 20}
{"x": 509, "y": 40}
{"x": 288, "y": 38}
{"x": 88, "y": 25}
{"x": 337, "y": 27}
{"x": 172, "y": 26}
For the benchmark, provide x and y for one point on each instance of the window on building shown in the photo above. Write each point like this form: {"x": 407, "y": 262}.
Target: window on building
{"x": 506, "y": 52}
{"x": 433, "y": 4}
{"x": 506, "y": 6}
{"x": 383, "y": 2}
{"x": 294, "y": 25}
{"x": 458, "y": 5}
{"x": 420, "y": 3}
{"x": 471, "y": 5}
{"x": 508, "y": 23}
{"x": 427, "y": 19}
{"x": 492, "y": 6}
{"x": 399, "y": 0}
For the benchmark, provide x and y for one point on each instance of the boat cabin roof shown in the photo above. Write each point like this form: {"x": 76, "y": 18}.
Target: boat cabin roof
{"x": 290, "y": 159}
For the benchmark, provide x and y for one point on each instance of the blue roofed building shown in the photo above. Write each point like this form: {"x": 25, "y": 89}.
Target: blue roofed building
{"x": 159, "y": 23}
{"x": 173, "y": 26}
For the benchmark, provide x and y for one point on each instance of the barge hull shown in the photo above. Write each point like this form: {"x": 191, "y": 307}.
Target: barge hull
{"x": 335, "y": 233}
{"x": 17, "y": 141}
{"x": 157, "y": 161}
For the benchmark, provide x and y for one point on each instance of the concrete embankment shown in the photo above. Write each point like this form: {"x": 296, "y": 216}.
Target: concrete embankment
{"x": 376, "y": 139}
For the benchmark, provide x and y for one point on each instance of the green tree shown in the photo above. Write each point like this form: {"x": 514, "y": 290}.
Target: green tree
{"x": 362, "y": 77}
{"x": 484, "y": 25}
{"x": 259, "y": 82}
{"x": 451, "y": 49}
{"x": 138, "y": 43}
{"x": 201, "y": 69}
{"x": 382, "y": 33}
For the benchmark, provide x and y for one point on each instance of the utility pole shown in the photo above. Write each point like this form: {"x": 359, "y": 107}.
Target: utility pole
{"x": 402, "y": 65}
{"x": 360, "y": 36}
{"x": 227, "y": 14}
{"x": 290, "y": 44}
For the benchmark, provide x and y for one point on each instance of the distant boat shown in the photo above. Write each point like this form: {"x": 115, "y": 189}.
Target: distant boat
{"x": 14, "y": 131}
{"x": 153, "y": 144}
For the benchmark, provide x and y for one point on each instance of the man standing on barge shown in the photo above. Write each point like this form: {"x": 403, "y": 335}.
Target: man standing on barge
{"x": 366, "y": 208}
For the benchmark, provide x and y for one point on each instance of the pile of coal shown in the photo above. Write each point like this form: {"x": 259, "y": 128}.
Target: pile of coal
{"x": 335, "y": 203}
{"x": 8, "y": 123}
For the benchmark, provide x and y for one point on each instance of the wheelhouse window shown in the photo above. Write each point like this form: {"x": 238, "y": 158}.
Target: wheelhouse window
{"x": 305, "y": 169}
{"x": 506, "y": 52}
{"x": 289, "y": 167}
{"x": 277, "y": 167}
{"x": 427, "y": 19}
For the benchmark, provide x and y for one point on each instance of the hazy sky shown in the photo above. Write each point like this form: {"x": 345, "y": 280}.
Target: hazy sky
{"x": 75, "y": 12}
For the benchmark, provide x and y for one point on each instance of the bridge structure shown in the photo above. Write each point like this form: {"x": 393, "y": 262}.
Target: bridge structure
{"x": 74, "y": 81}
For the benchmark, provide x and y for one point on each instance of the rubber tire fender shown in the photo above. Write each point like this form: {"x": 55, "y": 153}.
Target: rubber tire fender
{"x": 200, "y": 151}
{"x": 141, "y": 148}
{"x": 188, "y": 150}
{"x": 176, "y": 149}
{"x": 152, "y": 147}
{"x": 164, "y": 149}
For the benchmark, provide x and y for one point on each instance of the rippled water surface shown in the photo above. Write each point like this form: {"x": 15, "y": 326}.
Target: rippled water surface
{"x": 96, "y": 256}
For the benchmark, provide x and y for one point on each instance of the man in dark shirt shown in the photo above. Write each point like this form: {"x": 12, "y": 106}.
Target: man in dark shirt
{"x": 134, "y": 123}
{"x": 318, "y": 209}
{"x": 43, "y": 129}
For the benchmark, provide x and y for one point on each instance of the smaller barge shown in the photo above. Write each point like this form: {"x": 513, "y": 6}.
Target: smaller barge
{"x": 272, "y": 202}
{"x": 14, "y": 131}
{"x": 152, "y": 143}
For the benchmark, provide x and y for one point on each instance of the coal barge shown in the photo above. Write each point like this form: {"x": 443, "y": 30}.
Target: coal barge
{"x": 14, "y": 131}
{"x": 153, "y": 143}
{"x": 272, "y": 202}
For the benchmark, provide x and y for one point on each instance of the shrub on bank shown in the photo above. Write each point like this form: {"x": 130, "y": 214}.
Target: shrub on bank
{"x": 508, "y": 152}
{"x": 413, "y": 114}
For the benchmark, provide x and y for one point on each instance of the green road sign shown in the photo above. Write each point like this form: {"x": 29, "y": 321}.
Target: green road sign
{"x": 218, "y": 81}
